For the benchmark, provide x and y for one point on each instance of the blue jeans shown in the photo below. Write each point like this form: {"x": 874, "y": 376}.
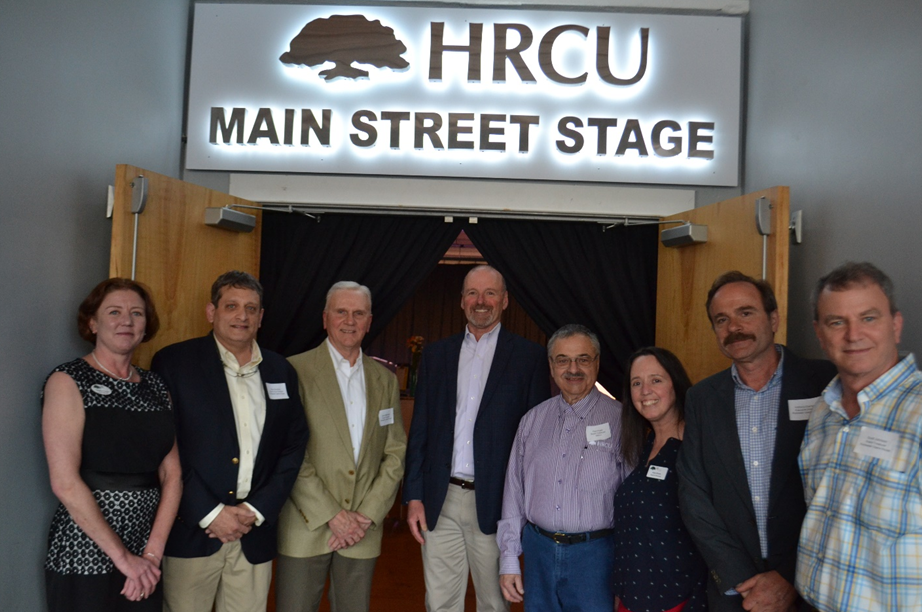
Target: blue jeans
{"x": 567, "y": 577}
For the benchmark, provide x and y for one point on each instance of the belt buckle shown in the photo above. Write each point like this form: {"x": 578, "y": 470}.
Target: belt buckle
{"x": 559, "y": 538}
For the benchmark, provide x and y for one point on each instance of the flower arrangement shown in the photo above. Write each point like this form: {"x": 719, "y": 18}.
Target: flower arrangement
{"x": 415, "y": 344}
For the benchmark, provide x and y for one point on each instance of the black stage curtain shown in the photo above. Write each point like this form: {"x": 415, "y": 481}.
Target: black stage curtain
{"x": 573, "y": 272}
{"x": 302, "y": 258}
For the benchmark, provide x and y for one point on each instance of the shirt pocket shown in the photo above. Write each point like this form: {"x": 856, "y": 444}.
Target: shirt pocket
{"x": 598, "y": 469}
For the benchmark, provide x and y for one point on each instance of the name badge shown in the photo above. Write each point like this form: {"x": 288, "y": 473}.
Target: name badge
{"x": 877, "y": 443}
{"x": 386, "y": 417}
{"x": 101, "y": 389}
{"x": 800, "y": 409}
{"x": 277, "y": 391}
{"x": 658, "y": 472}
{"x": 596, "y": 433}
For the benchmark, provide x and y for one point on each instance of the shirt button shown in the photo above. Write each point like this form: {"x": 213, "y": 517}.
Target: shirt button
{"x": 756, "y": 498}
{"x": 845, "y": 429}
{"x": 755, "y": 463}
{"x": 755, "y": 430}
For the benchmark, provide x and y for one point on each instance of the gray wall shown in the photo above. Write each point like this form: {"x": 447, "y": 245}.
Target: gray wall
{"x": 834, "y": 99}
{"x": 833, "y": 103}
{"x": 85, "y": 85}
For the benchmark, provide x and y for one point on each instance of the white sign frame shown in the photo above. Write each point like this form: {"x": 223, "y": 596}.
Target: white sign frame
{"x": 692, "y": 79}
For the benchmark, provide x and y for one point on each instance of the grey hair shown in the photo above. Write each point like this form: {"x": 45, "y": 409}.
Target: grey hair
{"x": 569, "y": 330}
{"x": 480, "y": 267}
{"x": 854, "y": 273}
{"x": 348, "y": 286}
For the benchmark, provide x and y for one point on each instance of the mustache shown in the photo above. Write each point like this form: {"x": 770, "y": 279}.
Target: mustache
{"x": 572, "y": 376}
{"x": 738, "y": 337}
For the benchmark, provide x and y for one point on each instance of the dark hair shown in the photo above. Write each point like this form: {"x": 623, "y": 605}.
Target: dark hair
{"x": 238, "y": 279}
{"x": 91, "y": 303}
{"x": 634, "y": 426}
{"x": 569, "y": 330}
{"x": 854, "y": 273}
{"x": 769, "y": 303}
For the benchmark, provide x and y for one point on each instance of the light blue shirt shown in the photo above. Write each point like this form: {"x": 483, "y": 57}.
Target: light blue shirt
{"x": 473, "y": 370}
{"x": 757, "y": 424}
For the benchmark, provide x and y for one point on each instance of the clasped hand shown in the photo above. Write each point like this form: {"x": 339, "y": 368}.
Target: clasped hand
{"x": 348, "y": 529}
{"x": 232, "y": 523}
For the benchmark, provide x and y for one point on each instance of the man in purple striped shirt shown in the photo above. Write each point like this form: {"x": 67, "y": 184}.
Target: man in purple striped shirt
{"x": 561, "y": 480}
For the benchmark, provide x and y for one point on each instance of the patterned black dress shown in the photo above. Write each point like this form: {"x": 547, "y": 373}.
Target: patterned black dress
{"x": 657, "y": 566}
{"x": 127, "y": 432}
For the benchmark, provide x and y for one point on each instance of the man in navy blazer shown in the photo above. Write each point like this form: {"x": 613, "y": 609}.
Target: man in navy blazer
{"x": 740, "y": 490}
{"x": 241, "y": 433}
{"x": 472, "y": 390}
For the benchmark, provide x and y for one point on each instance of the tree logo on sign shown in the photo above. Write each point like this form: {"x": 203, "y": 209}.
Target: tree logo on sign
{"x": 344, "y": 40}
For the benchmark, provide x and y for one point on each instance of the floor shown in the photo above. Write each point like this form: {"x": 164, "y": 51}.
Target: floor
{"x": 398, "y": 583}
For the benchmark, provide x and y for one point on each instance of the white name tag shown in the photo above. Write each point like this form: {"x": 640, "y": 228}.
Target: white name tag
{"x": 386, "y": 417}
{"x": 658, "y": 472}
{"x": 101, "y": 389}
{"x": 877, "y": 443}
{"x": 277, "y": 391}
{"x": 800, "y": 409}
{"x": 595, "y": 433}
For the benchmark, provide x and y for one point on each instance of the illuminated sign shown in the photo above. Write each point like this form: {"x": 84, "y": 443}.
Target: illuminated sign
{"x": 466, "y": 92}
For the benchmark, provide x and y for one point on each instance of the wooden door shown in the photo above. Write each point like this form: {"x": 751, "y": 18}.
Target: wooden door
{"x": 178, "y": 256}
{"x": 686, "y": 273}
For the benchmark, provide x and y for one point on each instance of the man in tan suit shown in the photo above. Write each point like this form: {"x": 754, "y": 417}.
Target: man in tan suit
{"x": 331, "y": 523}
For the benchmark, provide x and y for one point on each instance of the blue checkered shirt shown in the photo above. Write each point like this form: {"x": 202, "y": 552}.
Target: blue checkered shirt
{"x": 861, "y": 541}
{"x": 757, "y": 423}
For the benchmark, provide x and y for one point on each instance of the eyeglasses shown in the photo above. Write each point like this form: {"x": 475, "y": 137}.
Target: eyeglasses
{"x": 583, "y": 361}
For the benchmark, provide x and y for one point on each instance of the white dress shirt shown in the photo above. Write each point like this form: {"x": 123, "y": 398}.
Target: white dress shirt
{"x": 351, "y": 379}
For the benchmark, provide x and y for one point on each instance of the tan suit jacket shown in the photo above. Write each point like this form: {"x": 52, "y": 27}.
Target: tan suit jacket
{"x": 330, "y": 480}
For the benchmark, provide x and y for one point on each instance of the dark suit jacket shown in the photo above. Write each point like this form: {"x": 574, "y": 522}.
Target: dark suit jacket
{"x": 208, "y": 449}
{"x": 714, "y": 490}
{"x": 519, "y": 379}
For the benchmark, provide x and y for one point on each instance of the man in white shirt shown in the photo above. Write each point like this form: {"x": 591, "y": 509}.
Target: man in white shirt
{"x": 331, "y": 524}
{"x": 241, "y": 434}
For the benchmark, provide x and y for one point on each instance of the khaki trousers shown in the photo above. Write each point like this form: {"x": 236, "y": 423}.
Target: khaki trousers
{"x": 225, "y": 580}
{"x": 455, "y": 547}
{"x": 299, "y": 583}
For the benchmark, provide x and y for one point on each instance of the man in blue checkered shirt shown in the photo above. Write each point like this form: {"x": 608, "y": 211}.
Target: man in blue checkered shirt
{"x": 739, "y": 484}
{"x": 861, "y": 541}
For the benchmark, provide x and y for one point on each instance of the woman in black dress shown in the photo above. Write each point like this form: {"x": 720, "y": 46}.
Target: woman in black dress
{"x": 111, "y": 449}
{"x": 657, "y": 567}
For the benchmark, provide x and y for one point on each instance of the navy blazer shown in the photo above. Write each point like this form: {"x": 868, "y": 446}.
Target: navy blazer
{"x": 206, "y": 434}
{"x": 519, "y": 380}
{"x": 714, "y": 490}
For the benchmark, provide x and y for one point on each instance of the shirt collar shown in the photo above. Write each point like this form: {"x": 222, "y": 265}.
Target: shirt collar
{"x": 469, "y": 335}
{"x": 340, "y": 362}
{"x": 774, "y": 380}
{"x": 583, "y": 406}
{"x": 230, "y": 360}
{"x": 880, "y": 387}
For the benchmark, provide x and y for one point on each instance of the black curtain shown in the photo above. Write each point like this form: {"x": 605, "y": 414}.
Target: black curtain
{"x": 301, "y": 258}
{"x": 574, "y": 272}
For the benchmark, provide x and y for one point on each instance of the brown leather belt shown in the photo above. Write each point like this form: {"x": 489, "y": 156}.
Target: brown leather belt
{"x": 573, "y": 538}
{"x": 464, "y": 484}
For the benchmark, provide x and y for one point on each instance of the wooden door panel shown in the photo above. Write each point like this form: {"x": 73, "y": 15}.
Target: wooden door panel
{"x": 178, "y": 255}
{"x": 686, "y": 273}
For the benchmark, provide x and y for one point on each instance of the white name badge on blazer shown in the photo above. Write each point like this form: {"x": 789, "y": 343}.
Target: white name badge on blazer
{"x": 277, "y": 391}
{"x": 800, "y": 409}
{"x": 386, "y": 417}
{"x": 658, "y": 472}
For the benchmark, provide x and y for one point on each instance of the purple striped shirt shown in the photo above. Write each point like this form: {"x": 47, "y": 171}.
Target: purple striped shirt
{"x": 563, "y": 472}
